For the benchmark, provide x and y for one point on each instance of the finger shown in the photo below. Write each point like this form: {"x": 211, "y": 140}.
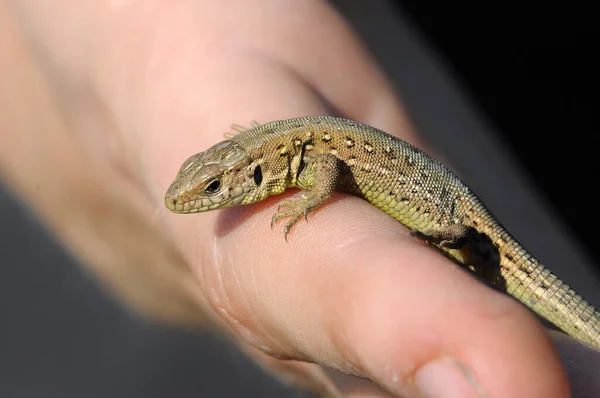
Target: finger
{"x": 359, "y": 90}
{"x": 359, "y": 295}
{"x": 333, "y": 60}
{"x": 382, "y": 307}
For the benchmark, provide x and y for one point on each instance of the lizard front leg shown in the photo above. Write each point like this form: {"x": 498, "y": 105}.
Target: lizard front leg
{"x": 317, "y": 179}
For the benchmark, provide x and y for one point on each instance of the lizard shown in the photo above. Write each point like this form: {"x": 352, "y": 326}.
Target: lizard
{"x": 322, "y": 154}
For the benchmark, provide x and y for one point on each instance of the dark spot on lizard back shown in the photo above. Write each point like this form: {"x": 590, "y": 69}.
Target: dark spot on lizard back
{"x": 349, "y": 142}
{"x": 443, "y": 193}
{"x": 368, "y": 147}
{"x": 525, "y": 269}
{"x": 452, "y": 209}
{"x": 389, "y": 153}
{"x": 282, "y": 149}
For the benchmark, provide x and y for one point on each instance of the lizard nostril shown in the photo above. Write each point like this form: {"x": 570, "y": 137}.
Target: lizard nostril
{"x": 172, "y": 202}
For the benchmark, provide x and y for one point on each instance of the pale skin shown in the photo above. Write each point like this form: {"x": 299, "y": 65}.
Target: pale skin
{"x": 147, "y": 84}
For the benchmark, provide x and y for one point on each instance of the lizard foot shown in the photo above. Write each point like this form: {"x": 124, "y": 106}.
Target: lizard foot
{"x": 318, "y": 179}
{"x": 238, "y": 128}
{"x": 452, "y": 237}
{"x": 294, "y": 208}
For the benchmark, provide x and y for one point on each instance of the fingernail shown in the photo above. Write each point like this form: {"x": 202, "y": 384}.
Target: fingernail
{"x": 447, "y": 378}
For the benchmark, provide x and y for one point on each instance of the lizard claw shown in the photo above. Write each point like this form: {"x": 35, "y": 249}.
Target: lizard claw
{"x": 444, "y": 243}
{"x": 294, "y": 208}
{"x": 290, "y": 224}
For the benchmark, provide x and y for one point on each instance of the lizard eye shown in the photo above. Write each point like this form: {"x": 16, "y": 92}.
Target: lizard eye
{"x": 213, "y": 187}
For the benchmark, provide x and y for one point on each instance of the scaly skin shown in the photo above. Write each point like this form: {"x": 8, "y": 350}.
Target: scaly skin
{"x": 323, "y": 154}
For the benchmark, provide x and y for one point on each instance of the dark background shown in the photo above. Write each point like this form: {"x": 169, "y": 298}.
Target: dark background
{"x": 506, "y": 94}
{"x": 533, "y": 70}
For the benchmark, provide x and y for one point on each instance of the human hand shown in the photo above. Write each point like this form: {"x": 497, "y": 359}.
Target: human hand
{"x": 150, "y": 84}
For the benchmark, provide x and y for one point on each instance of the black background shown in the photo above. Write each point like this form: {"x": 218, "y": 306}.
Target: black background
{"x": 533, "y": 69}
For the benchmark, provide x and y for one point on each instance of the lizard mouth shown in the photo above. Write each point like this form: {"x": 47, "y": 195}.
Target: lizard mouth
{"x": 182, "y": 204}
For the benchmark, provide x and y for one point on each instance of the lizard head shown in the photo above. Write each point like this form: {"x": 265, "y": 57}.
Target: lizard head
{"x": 219, "y": 177}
